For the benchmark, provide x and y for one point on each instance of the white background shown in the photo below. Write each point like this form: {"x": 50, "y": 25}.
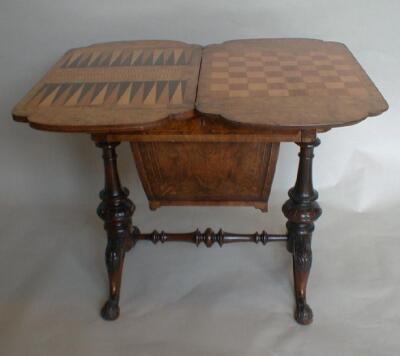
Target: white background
{"x": 178, "y": 300}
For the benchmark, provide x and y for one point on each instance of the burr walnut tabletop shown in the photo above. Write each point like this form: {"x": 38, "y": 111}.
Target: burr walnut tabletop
{"x": 279, "y": 83}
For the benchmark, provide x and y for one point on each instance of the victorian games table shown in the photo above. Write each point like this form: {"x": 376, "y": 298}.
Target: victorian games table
{"x": 204, "y": 125}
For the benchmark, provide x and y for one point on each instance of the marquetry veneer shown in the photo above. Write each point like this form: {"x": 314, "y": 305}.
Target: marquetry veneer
{"x": 205, "y": 125}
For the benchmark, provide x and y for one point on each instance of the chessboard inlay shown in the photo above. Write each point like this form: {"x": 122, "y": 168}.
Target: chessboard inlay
{"x": 282, "y": 73}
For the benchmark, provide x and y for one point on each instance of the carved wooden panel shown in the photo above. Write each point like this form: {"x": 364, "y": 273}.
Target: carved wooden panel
{"x": 204, "y": 173}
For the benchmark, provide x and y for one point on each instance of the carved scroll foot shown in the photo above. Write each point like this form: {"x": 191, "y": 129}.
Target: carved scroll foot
{"x": 110, "y": 310}
{"x": 302, "y": 260}
{"x": 303, "y": 314}
{"x": 301, "y": 211}
{"x": 116, "y": 211}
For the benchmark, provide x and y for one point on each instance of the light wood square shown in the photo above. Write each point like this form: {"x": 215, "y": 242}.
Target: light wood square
{"x": 238, "y": 93}
{"x": 278, "y": 92}
{"x": 219, "y": 87}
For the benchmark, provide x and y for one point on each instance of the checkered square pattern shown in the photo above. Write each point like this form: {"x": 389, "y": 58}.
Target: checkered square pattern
{"x": 282, "y": 74}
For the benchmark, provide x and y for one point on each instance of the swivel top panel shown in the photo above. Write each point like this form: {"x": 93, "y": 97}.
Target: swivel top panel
{"x": 112, "y": 86}
{"x": 286, "y": 83}
{"x": 277, "y": 83}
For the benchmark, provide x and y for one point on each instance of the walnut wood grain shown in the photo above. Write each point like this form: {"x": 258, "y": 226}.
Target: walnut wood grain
{"x": 206, "y": 161}
{"x": 116, "y": 211}
{"x": 301, "y": 211}
{"x": 205, "y": 125}
{"x": 200, "y": 173}
{"x": 207, "y": 128}
{"x": 114, "y": 86}
{"x": 286, "y": 83}
{"x": 277, "y": 83}
{"x": 209, "y": 237}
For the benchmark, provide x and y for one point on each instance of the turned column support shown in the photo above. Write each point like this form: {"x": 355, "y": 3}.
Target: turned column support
{"x": 116, "y": 211}
{"x": 302, "y": 210}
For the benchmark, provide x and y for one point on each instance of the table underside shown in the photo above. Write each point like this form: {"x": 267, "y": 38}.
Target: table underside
{"x": 204, "y": 160}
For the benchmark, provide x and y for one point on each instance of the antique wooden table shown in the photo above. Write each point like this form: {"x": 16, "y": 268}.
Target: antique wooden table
{"x": 204, "y": 125}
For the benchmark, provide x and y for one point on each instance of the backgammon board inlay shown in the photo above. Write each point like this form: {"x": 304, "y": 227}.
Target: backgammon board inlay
{"x": 118, "y": 81}
{"x": 149, "y": 92}
{"x": 128, "y": 57}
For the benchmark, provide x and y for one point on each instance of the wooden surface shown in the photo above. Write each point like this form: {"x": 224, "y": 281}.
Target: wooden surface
{"x": 207, "y": 128}
{"x": 116, "y": 210}
{"x": 206, "y": 160}
{"x": 114, "y": 85}
{"x": 276, "y": 83}
{"x": 302, "y": 210}
{"x": 286, "y": 83}
{"x": 200, "y": 173}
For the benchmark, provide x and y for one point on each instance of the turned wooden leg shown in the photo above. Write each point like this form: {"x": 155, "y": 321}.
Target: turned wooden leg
{"x": 116, "y": 211}
{"x": 302, "y": 210}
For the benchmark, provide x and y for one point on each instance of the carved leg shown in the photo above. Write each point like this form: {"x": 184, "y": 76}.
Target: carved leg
{"x": 116, "y": 211}
{"x": 302, "y": 210}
